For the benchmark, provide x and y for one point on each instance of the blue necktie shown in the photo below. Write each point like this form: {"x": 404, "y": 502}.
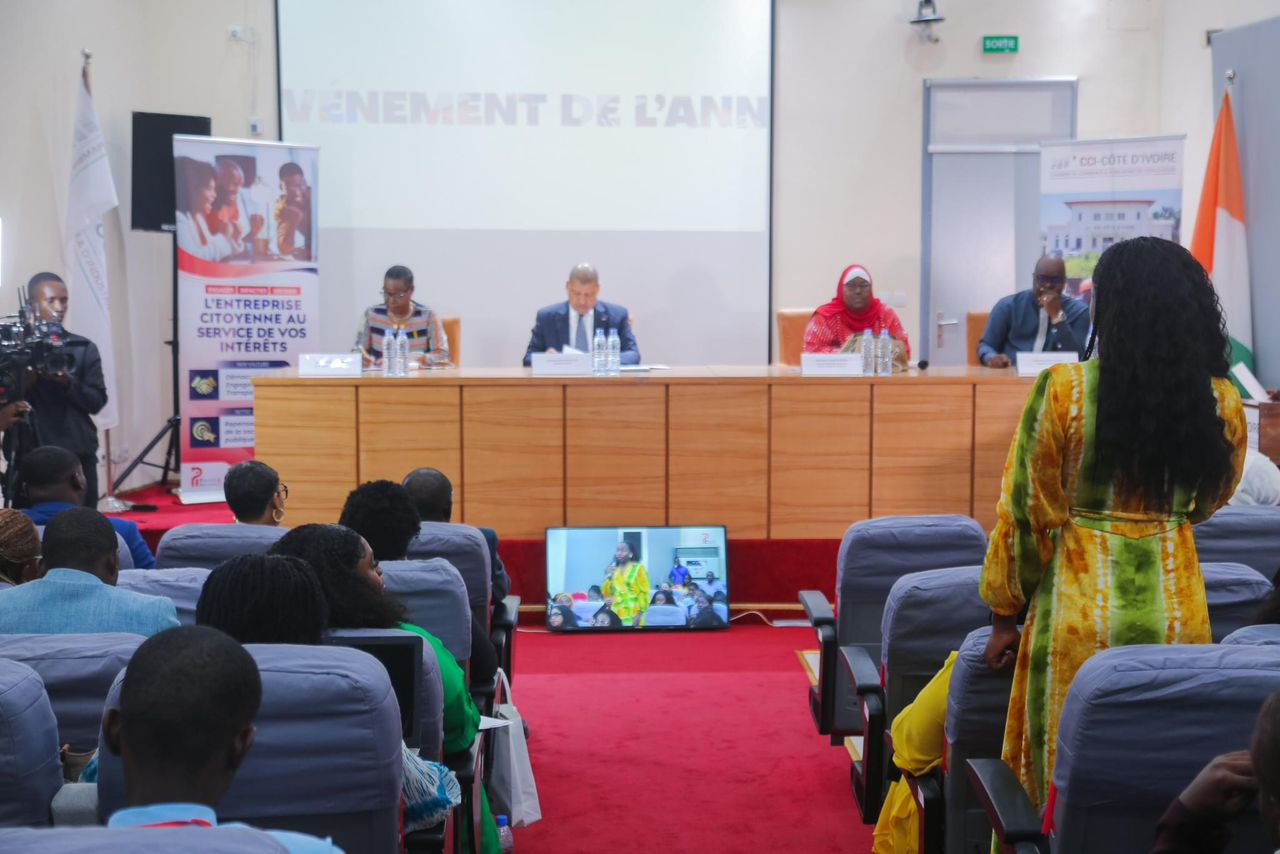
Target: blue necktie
{"x": 580, "y": 340}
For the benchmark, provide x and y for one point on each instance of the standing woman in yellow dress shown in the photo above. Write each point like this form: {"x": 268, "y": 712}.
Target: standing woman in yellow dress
{"x": 626, "y": 585}
{"x": 1113, "y": 461}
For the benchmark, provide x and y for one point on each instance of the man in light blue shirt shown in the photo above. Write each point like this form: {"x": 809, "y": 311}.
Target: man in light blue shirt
{"x": 76, "y": 593}
{"x": 183, "y": 728}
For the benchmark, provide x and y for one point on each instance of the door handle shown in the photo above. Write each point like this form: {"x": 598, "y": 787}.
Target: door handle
{"x": 942, "y": 325}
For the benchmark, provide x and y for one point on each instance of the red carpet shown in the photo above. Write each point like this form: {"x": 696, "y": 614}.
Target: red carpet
{"x": 680, "y": 743}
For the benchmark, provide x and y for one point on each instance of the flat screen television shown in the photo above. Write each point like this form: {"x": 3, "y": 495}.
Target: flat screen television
{"x": 635, "y": 578}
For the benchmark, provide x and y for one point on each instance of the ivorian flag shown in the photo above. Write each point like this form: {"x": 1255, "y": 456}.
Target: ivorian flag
{"x": 1219, "y": 241}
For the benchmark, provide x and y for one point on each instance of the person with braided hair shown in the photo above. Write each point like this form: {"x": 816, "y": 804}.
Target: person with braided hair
{"x": 1113, "y": 461}
{"x": 19, "y": 549}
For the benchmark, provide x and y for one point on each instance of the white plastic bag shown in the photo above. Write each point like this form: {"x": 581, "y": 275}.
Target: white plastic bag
{"x": 511, "y": 788}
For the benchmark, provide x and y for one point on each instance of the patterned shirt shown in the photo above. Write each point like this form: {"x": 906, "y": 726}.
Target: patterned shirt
{"x": 829, "y": 334}
{"x": 426, "y": 334}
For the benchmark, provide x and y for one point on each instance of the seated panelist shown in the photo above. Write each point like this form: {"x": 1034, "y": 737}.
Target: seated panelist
{"x": 837, "y": 326}
{"x": 428, "y": 346}
{"x": 573, "y": 323}
{"x": 1034, "y": 321}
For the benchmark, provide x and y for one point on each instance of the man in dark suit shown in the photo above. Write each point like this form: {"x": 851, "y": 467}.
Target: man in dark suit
{"x": 573, "y": 323}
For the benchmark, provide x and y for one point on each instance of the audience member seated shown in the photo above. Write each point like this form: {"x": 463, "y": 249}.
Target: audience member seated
{"x": 184, "y": 726}
{"x": 704, "y": 615}
{"x": 662, "y": 597}
{"x": 358, "y": 599}
{"x": 595, "y": 594}
{"x": 1196, "y": 821}
{"x": 1259, "y": 483}
{"x": 838, "y": 326}
{"x": 277, "y": 599}
{"x": 383, "y": 513}
{"x": 256, "y": 498}
{"x": 50, "y": 480}
{"x": 562, "y": 617}
{"x": 606, "y": 619}
{"x": 76, "y": 593}
{"x": 432, "y": 494}
{"x": 1036, "y": 320}
{"x": 19, "y": 549}
{"x": 255, "y": 494}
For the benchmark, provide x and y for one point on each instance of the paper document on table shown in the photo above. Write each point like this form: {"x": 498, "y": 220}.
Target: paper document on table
{"x": 574, "y": 350}
{"x": 1245, "y": 377}
{"x": 492, "y": 723}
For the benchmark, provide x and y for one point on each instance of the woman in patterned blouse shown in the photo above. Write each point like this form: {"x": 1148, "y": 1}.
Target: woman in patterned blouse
{"x": 428, "y": 346}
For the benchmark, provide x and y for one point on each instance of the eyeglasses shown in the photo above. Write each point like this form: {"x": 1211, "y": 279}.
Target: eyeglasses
{"x": 283, "y": 489}
{"x": 854, "y": 286}
{"x": 394, "y": 294}
{"x": 1050, "y": 280}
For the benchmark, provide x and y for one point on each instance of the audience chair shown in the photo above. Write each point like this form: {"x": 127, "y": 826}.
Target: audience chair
{"x": 30, "y": 770}
{"x": 791, "y": 326}
{"x": 415, "y": 677}
{"x": 665, "y": 615}
{"x": 874, "y": 554}
{"x": 1262, "y": 635}
{"x": 122, "y": 549}
{"x": 465, "y": 548}
{"x": 436, "y": 599}
{"x": 138, "y": 840}
{"x": 1248, "y": 535}
{"x": 327, "y": 757}
{"x": 502, "y": 633}
{"x": 584, "y": 611}
{"x": 180, "y": 586}
{"x": 975, "y": 323}
{"x": 927, "y": 615}
{"x": 1138, "y": 724}
{"x": 77, "y": 671}
{"x": 977, "y": 708}
{"x": 209, "y": 545}
{"x": 1234, "y": 592}
{"x": 453, "y": 332}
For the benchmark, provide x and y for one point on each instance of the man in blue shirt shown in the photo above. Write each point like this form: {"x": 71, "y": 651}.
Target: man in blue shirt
{"x": 77, "y": 592}
{"x": 183, "y": 728}
{"x": 1038, "y": 320}
{"x": 50, "y": 480}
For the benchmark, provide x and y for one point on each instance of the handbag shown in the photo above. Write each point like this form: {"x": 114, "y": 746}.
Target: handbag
{"x": 512, "y": 789}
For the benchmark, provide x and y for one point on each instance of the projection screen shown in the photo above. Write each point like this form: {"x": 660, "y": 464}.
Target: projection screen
{"x": 492, "y": 145}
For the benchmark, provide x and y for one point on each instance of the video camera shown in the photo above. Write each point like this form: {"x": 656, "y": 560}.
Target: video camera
{"x": 29, "y": 344}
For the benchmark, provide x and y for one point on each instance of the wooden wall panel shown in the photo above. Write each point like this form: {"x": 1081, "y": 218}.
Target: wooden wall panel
{"x": 820, "y": 460}
{"x": 406, "y": 427}
{"x": 996, "y": 410}
{"x": 921, "y": 449}
{"x": 616, "y": 455}
{"x": 513, "y": 458}
{"x": 308, "y": 435}
{"x": 718, "y": 457}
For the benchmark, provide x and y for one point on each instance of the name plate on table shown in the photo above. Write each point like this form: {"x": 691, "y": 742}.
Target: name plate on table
{"x": 830, "y": 364}
{"x": 561, "y": 364}
{"x": 1031, "y": 364}
{"x": 329, "y": 365}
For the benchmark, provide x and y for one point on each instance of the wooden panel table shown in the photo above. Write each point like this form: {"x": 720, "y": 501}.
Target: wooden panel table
{"x": 763, "y": 450}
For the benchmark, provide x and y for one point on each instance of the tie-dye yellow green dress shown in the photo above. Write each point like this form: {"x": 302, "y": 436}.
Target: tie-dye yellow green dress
{"x": 1099, "y": 568}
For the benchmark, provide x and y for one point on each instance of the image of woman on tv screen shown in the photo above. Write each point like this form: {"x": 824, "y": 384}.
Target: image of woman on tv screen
{"x": 626, "y": 584}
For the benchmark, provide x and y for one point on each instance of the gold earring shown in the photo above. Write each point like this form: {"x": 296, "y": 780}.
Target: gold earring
{"x": 277, "y": 515}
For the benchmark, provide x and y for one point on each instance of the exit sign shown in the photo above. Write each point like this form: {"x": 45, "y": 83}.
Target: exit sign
{"x": 999, "y": 44}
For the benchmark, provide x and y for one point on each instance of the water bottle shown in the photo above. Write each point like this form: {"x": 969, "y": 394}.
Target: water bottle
{"x": 389, "y": 354}
{"x": 505, "y": 837}
{"x": 615, "y": 353}
{"x": 599, "y": 354}
{"x": 868, "y": 354}
{"x": 393, "y": 354}
{"x": 403, "y": 342}
{"x": 884, "y": 354}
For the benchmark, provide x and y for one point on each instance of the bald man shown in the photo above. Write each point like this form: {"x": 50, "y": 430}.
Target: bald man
{"x": 1038, "y": 320}
{"x": 573, "y": 323}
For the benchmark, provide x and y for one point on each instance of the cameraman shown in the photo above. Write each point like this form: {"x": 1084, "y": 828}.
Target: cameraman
{"x": 64, "y": 402}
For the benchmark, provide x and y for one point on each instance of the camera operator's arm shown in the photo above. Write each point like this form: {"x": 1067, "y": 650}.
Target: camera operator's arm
{"x": 12, "y": 413}
{"x": 86, "y": 387}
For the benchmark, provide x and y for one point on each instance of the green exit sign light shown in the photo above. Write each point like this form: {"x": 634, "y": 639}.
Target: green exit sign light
{"x": 999, "y": 44}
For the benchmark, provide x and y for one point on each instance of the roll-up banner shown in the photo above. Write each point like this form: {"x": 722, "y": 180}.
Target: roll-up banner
{"x": 248, "y": 289}
{"x": 1096, "y": 193}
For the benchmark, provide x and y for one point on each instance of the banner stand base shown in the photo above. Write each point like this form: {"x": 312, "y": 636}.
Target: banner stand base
{"x": 202, "y": 496}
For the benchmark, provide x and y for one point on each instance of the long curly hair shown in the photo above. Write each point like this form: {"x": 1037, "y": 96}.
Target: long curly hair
{"x": 332, "y": 552}
{"x": 1161, "y": 337}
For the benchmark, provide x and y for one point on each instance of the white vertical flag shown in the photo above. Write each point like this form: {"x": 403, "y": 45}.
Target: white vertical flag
{"x": 92, "y": 194}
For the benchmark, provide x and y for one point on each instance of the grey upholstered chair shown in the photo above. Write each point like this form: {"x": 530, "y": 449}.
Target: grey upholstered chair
{"x": 1262, "y": 635}
{"x": 327, "y": 759}
{"x": 465, "y": 548}
{"x": 1248, "y": 535}
{"x": 139, "y": 840}
{"x": 30, "y": 770}
{"x": 436, "y": 599}
{"x": 180, "y": 586}
{"x": 209, "y": 545}
{"x": 1234, "y": 592}
{"x": 77, "y": 671}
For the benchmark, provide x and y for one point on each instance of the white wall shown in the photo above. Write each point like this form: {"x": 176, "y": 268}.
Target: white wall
{"x": 847, "y": 126}
{"x": 164, "y": 56}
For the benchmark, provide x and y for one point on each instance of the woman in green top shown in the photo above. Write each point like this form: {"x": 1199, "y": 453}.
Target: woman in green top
{"x": 352, "y": 583}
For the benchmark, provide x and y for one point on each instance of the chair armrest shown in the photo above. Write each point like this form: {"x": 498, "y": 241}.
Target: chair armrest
{"x": 1006, "y": 804}
{"x": 468, "y": 767}
{"x": 506, "y": 613}
{"x": 502, "y": 632}
{"x": 75, "y": 805}
{"x": 431, "y": 840}
{"x": 817, "y": 608}
{"x": 862, "y": 670}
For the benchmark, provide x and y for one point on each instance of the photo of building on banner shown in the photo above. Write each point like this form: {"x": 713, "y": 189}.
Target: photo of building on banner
{"x": 1096, "y": 193}
{"x": 248, "y": 289}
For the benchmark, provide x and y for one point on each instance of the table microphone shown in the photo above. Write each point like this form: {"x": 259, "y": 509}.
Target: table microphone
{"x": 923, "y": 364}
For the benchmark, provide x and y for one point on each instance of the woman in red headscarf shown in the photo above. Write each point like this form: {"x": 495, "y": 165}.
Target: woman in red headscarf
{"x": 853, "y": 310}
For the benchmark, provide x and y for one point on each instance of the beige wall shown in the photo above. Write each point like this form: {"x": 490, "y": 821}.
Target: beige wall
{"x": 847, "y": 143}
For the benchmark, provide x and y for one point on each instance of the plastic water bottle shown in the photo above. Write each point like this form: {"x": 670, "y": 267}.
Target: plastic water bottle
{"x": 615, "y": 353}
{"x": 599, "y": 354}
{"x": 884, "y": 354}
{"x": 868, "y": 354}
{"x": 393, "y": 353}
{"x": 389, "y": 354}
{"x": 505, "y": 838}
{"x": 402, "y": 341}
